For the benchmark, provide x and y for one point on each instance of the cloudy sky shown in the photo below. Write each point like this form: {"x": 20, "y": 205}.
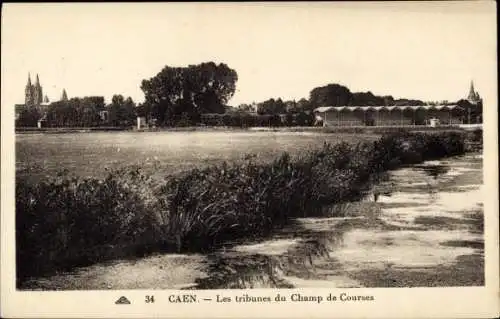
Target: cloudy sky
{"x": 429, "y": 51}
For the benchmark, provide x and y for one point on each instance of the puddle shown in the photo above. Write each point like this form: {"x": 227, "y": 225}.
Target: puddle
{"x": 434, "y": 170}
{"x": 364, "y": 249}
{"x": 271, "y": 247}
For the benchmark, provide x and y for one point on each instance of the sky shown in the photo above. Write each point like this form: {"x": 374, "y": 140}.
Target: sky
{"x": 430, "y": 51}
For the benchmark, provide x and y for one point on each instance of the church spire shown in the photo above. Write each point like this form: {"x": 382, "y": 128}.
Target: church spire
{"x": 473, "y": 96}
{"x": 28, "y": 92}
{"x": 64, "y": 95}
{"x": 472, "y": 92}
{"x": 37, "y": 92}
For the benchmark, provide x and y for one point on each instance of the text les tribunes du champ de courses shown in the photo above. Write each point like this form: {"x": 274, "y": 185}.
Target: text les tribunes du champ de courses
{"x": 293, "y": 297}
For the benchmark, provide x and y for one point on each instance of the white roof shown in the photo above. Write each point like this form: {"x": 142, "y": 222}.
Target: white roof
{"x": 323, "y": 109}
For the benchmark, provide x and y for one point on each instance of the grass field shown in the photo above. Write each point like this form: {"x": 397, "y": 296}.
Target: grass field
{"x": 89, "y": 154}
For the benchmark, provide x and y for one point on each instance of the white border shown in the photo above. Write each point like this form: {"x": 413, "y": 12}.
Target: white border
{"x": 389, "y": 302}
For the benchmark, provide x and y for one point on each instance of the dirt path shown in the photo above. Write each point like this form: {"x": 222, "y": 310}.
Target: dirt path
{"x": 425, "y": 229}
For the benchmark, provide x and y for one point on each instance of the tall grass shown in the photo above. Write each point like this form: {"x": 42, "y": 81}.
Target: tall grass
{"x": 66, "y": 222}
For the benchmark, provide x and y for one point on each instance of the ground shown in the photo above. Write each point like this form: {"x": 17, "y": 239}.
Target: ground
{"x": 426, "y": 229}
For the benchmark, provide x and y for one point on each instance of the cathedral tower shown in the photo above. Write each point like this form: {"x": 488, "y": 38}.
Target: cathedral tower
{"x": 28, "y": 93}
{"x": 37, "y": 92}
{"x": 33, "y": 94}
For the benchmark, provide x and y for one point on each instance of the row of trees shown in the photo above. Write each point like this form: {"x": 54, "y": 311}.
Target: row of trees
{"x": 328, "y": 95}
{"x": 90, "y": 111}
{"x": 174, "y": 96}
{"x": 338, "y": 95}
{"x": 243, "y": 119}
{"x": 79, "y": 112}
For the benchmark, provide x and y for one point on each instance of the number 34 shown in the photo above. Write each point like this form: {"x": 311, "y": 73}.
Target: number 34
{"x": 150, "y": 299}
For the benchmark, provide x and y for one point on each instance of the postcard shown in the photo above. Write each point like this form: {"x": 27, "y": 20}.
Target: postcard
{"x": 257, "y": 159}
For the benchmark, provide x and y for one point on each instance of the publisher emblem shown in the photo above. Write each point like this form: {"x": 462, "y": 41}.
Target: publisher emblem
{"x": 122, "y": 301}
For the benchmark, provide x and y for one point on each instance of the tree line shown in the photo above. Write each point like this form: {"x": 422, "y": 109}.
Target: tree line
{"x": 89, "y": 111}
{"x": 328, "y": 95}
{"x": 198, "y": 95}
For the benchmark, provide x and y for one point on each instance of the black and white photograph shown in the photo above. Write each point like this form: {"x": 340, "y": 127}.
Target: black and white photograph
{"x": 196, "y": 147}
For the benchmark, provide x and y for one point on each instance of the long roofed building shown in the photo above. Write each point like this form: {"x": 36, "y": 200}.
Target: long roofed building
{"x": 446, "y": 114}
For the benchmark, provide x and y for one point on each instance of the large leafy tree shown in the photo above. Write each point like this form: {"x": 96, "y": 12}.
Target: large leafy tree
{"x": 330, "y": 95}
{"x": 81, "y": 112}
{"x": 404, "y": 102}
{"x": 245, "y": 107}
{"x": 28, "y": 117}
{"x": 367, "y": 99}
{"x": 304, "y": 105}
{"x": 272, "y": 107}
{"x": 338, "y": 95}
{"x": 177, "y": 93}
{"x": 470, "y": 113}
{"x": 122, "y": 111}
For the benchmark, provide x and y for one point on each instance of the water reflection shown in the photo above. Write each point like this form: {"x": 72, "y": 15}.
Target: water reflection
{"x": 242, "y": 272}
{"x": 410, "y": 223}
{"x": 304, "y": 260}
{"x": 434, "y": 170}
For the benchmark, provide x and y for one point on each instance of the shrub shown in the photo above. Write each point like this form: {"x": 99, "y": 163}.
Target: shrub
{"x": 70, "y": 221}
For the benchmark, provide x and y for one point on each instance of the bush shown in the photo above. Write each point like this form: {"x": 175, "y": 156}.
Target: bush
{"x": 67, "y": 222}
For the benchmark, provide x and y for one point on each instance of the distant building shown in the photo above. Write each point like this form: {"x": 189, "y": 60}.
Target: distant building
{"x": 141, "y": 122}
{"x": 104, "y": 115}
{"x": 473, "y": 96}
{"x": 33, "y": 93}
{"x": 388, "y": 115}
{"x": 34, "y": 98}
{"x": 433, "y": 114}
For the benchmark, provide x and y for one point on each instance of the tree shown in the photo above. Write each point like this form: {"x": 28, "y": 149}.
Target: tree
{"x": 60, "y": 114}
{"x": 87, "y": 110}
{"x": 471, "y": 113}
{"x": 272, "y": 107}
{"x": 245, "y": 108}
{"x": 304, "y": 105}
{"x": 388, "y": 100}
{"x": 28, "y": 117}
{"x": 330, "y": 95}
{"x": 406, "y": 102}
{"x": 291, "y": 106}
{"x": 193, "y": 90}
{"x": 304, "y": 119}
{"x": 122, "y": 112}
{"x": 367, "y": 99}
{"x": 80, "y": 112}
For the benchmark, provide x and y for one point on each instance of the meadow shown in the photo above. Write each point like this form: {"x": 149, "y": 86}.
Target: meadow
{"x": 213, "y": 192}
{"x": 159, "y": 153}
